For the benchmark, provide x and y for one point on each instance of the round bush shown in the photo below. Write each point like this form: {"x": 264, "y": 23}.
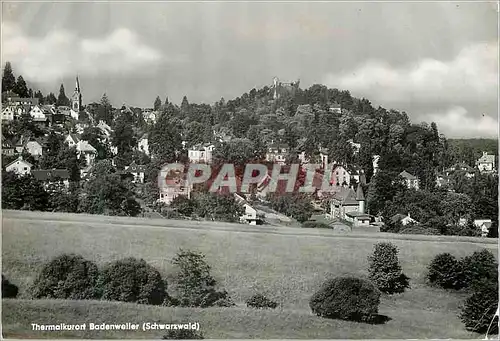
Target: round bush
{"x": 68, "y": 276}
{"x": 479, "y": 309}
{"x": 478, "y": 267}
{"x": 260, "y": 301}
{"x": 131, "y": 280}
{"x": 445, "y": 271}
{"x": 346, "y": 298}
{"x": 9, "y": 290}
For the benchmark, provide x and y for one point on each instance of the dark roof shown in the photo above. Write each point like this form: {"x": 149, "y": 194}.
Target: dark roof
{"x": 356, "y": 214}
{"x": 346, "y": 196}
{"x": 75, "y": 137}
{"x": 360, "y": 196}
{"x": 134, "y": 168}
{"x": 407, "y": 175}
{"x": 398, "y": 217}
{"x": 47, "y": 174}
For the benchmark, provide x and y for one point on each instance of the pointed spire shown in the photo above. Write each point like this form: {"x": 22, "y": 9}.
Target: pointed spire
{"x": 77, "y": 87}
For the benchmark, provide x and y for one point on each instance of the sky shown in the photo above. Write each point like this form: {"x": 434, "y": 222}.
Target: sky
{"x": 436, "y": 61}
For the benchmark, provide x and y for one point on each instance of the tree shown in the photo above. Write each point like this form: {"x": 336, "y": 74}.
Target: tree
{"x": 23, "y": 193}
{"x": 165, "y": 139}
{"x": 8, "y": 78}
{"x": 39, "y": 95}
{"x": 62, "y": 100}
{"x": 50, "y": 99}
{"x": 96, "y": 139}
{"x": 124, "y": 139}
{"x": 105, "y": 192}
{"x": 385, "y": 270}
{"x": 21, "y": 88}
{"x": 105, "y": 110}
{"x": 195, "y": 285}
{"x": 157, "y": 104}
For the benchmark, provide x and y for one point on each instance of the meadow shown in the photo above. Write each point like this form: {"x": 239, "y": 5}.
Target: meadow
{"x": 286, "y": 264}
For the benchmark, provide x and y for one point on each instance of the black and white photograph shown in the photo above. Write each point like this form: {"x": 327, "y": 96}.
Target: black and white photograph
{"x": 249, "y": 170}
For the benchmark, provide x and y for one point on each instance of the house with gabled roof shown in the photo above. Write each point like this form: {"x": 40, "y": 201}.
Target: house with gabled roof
{"x": 344, "y": 175}
{"x": 404, "y": 219}
{"x": 8, "y": 113}
{"x": 411, "y": 181}
{"x": 19, "y": 166}
{"x": 72, "y": 139}
{"x": 486, "y": 163}
{"x": 137, "y": 171}
{"x": 85, "y": 149}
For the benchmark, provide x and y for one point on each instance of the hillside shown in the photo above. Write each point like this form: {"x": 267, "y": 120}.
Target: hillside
{"x": 286, "y": 264}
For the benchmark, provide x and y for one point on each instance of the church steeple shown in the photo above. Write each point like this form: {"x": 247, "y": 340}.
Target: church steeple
{"x": 76, "y": 99}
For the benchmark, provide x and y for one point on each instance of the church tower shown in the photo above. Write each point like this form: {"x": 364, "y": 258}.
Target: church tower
{"x": 76, "y": 99}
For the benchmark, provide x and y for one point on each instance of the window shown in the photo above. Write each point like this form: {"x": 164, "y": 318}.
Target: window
{"x": 25, "y": 168}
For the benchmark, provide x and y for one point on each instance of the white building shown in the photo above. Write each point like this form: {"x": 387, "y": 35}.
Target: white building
{"x": 277, "y": 153}
{"x": 8, "y": 113}
{"x": 34, "y": 148}
{"x": 251, "y": 215}
{"x": 486, "y": 163}
{"x": 37, "y": 114}
{"x": 137, "y": 171}
{"x": 19, "y": 166}
{"x": 143, "y": 144}
{"x": 86, "y": 150}
{"x": 343, "y": 176}
{"x": 375, "y": 161}
{"x": 483, "y": 225}
{"x": 201, "y": 153}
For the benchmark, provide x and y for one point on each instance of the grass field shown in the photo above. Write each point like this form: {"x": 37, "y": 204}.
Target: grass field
{"x": 287, "y": 264}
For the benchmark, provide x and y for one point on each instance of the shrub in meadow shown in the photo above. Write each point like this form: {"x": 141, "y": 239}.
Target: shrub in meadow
{"x": 316, "y": 225}
{"x": 385, "y": 271}
{"x": 9, "y": 290}
{"x": 446, "y": 272}
{"x": 68, "y": 276}
{"x": 194, "y": 284}
{"x": 260, "y": 301}
{"x": 479, "y": 309}
{"x": 479, "y": 267}
{"x": 346, "y": 298}
{"x": 131, "y": 280}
